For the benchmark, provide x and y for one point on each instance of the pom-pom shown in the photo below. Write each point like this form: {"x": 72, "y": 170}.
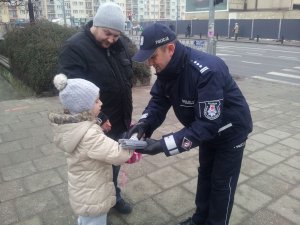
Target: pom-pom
{"x": 60, "y": 81}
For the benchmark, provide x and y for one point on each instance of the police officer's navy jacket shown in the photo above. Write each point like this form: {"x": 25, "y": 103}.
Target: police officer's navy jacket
{"x": 205, "y": 99}
{"x": 108, "y": 68}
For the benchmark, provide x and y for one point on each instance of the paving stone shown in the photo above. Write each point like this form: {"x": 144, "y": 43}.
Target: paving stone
{"x": 155, "y": 214}
{"x": 18, "y": 171}
{"x": 140, "y": 189}
{"x": 59, "y": 216}
{"x": 250, "y": 198}
{"x": 266, "y": 157}
{"x": 10, "y": 147}
{"x": 29, "y": 116}
{"x": 286, "y": 173}
{"x": 8, "y": 214}
{"x": 269, "y": 185}
{"x": 242, "y": 178}
{"x": 176, "y": 200}
{"x": 287, "y": 207}
{"x": 277, "y": 133}
{"x": 294, "y": 162}
{"x": 264, "y": 124}
{"x": 49, "y": 149}
{"x": 4, "y": 129}
{"x": 50, "y": 162}
{"x": 42, "y": 181}
{"x": 61, "y": 193}
{"x": 266, "y": 217}
{"x": 251, "y": 167}
{"x": 289, "y": 129}
{"x": 161, "y": 160}
{"x": 295, "y": 193}
{"x": 282, "y": 150}
{"x": 63, "y": 172}
{"x": 141, "y": 168}
{"x": 33, "y": 141}
{"x": 4, "y": 160}
{"x": 11, "y": 190}
{"x": 114, "y": 218}
{"x": 291, "y": 142}
{"x": 24, "y": 125}
{"x": 35, "y": 203}
{"x": 264, "y": 138}
{"x": 25, "y": 155}
{"x": 167, "y": 177}
{"x": 189, "y": 166}
{"x": 253, "y": 145}
{"x": 191, "y": 185}
{"x": 238, "y": 215}
{"x": 32, "y": 221}
{"x": 295, "y": 123}
{"x": 15, "y": 135}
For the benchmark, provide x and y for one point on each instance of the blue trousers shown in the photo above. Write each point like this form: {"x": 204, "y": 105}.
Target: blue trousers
{"x": 92, "y": 220}
{"x": 217, "y": 180}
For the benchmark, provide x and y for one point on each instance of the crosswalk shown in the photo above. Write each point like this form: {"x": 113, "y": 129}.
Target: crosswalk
{"x": 290, "y": 76}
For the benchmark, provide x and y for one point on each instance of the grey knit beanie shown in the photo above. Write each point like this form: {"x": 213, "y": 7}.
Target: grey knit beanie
{"x": 110, "y": 15}
{"x": 76, "y": 95}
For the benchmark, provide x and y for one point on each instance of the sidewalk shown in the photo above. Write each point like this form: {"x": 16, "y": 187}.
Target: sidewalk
{"x": 33, "y": 187}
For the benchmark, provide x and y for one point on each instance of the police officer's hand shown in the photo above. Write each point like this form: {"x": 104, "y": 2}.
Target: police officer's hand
{"x": 140, "y": 129}
{"x": 153, "y": 147}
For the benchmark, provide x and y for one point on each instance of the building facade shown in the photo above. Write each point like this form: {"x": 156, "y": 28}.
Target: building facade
{"x": 76, "y": 12}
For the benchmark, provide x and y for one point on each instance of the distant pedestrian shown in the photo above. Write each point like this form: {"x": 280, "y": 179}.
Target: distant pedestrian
{"x": 90, "y": 153}
{"x": 172, "y": 27}
{"x": 236, "y": 31}
{"x": 188, "y": 31}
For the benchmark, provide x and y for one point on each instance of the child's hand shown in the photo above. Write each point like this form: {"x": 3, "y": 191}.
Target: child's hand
{"x": 106, "y": 127}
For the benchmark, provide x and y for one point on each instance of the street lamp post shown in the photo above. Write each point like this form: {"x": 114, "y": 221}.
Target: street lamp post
{"x": 30, "y": 10}
{"x": 211, "y": 41}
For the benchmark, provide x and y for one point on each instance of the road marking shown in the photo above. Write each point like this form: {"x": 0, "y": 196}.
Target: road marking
{"x": 275, "y": 81}
{"x": 291, "y": 70}
{"x": 221, "y": 54}
{"x": 283, "y": 75}
{"x": 263, "y": 49}
{"x": 287, "y": 57}
{"x": 251, "y": 62}
{"x": 253, "y": 53}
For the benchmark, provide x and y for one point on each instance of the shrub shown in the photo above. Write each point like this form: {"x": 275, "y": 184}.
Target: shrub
{"x": 33, "y": 54}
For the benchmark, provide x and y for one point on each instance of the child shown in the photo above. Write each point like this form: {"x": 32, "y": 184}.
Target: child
{"x": 90, "y": 153}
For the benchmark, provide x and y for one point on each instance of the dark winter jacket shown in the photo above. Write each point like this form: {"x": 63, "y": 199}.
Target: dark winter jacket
{"x": 110, "y": 69}
{"x": 205, "y": 99}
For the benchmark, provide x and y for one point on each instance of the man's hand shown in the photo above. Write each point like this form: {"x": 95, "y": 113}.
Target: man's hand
{"x": 140, "y": 129}
{"x": 153, "y": 147}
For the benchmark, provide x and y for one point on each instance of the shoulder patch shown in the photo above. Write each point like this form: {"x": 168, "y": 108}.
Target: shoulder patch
{"x": 197, "y": 65}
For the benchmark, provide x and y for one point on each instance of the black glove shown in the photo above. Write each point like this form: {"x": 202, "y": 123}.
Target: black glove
{"x": 140, "y": 128}
{"x": 153, "y": 147}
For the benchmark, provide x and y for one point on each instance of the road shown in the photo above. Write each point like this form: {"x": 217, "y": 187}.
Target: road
{"x": 272, "y": 63}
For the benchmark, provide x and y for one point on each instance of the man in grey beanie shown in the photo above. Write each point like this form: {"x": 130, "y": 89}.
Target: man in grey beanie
{"x": 99, "y": 54}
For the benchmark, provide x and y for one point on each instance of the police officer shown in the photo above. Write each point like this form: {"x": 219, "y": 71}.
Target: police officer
{"x": 213, "y": 110}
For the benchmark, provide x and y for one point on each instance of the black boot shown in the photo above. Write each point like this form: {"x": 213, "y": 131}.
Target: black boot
{"x": 189, "y": 221}
{"x": 123, "y": 207}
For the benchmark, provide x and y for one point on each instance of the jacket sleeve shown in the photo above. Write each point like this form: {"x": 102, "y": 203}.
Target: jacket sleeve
{"x": 103, "y": 148}
{"x": 156, "y": 110}
{"x": 71, "y": 62}
{"x": 208, "y": 112}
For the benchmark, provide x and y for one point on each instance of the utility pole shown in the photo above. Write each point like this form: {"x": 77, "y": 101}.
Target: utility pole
{"x": 64, "y": 12}
{"x": 30, "y": 10}
{"x": 211, "y": 41}
{"x": 177, "y": 16}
